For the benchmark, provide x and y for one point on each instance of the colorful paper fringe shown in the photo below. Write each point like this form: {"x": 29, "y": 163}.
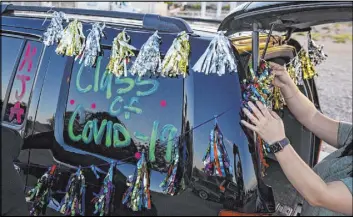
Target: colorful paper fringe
{"x": 121, "y": 54}
{"x": 307, "y": 66}
{"x": 169, "y": 183}
{"x": 137, "y": 197}
{"x": 259, "y": 86}
{"x": 103, "y": 200}
{"x": 148, "y": 61}
{"x": 72, "y": 41}
{"x": 41, "y": 194}
{"x": 92, "y": 47}
{"x": 176, "y": 61}
{"x": 73, "y": 202}
{"x": 216, "y": 159}
{"x": 277, "y": 99}
{"x": 55, "y": 29}
{"x": 218, "y": 57}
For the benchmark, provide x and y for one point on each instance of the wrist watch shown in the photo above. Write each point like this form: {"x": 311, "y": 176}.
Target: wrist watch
{"x": 278, "y": 146}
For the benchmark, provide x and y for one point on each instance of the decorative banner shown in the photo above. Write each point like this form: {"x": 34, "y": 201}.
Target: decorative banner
{"x": 217, "y": 58}
{"x": 316, "y": 53}
{"x": 121, "y": 54}
{"x": 169, "y": 183}
{"x": 102, "y": 200}
{"x": 74, "y": 201}
{"x": 216, "y": 159}
{"x": 148, "y": 61}
{"x": 176, "y": 61}
{"x": 41, "y": 194}
{"x": 72, "y": 41}
{"x": 307, "y": 66}
{"x": 92, "y": 47}
{"x": 55, "y": 29}
{"x": 137, "y": 197}
{"x": 259, "y": 87}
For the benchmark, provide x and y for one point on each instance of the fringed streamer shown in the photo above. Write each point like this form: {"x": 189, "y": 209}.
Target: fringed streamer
{"x": 292, "y": 73}
{"x": 306, "y": 65}
{"x": 277, "y": 99}
{"x": 259, "y": 87}
{"x": 263, "y": 149}
{"x": 72, "y": 41}
{"x": 169, "y": 183}
{"x": 73, "y": 202}
{"x": 94, "y": 170}
{"x": 216, "y": 159}
{"x": 41, "y": 194}
{"x": 54, "y": 32}
{"x": 121, "y": 54}
{"x": 148, "y": 61}
{"x": 137, "y": 197}
{"x": 176, "y": 61}
{"x": 218, "y": 57}
{"x": 92, "y": 46}
{"x": 103, "y": 200}
{"x": 316, "y": 52}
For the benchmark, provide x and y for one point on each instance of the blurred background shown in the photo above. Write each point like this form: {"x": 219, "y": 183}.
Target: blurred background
{"x": 335, "y": 74}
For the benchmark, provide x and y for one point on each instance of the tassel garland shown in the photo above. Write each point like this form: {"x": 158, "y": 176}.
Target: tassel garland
{"x": 137, "y": 197}
{"x": 216, "y": 159}
{"x": 121, "y": 54}
{"x": 169, "y": 183}
{"x": 176, "y": 61}
{"x": 41, "y": 194}
{"x": 92, "y": 47}
{"x": 54, "y": 32}
{"x": 73, "y": 202}
{"x": 148, "y": 61}
{"x": 217, "y": 58}
{"x": 72, "y": 41}
{"x": 102, "y": 201}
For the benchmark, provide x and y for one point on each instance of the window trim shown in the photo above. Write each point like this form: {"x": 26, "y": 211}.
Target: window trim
{"x": 21, "y": 127}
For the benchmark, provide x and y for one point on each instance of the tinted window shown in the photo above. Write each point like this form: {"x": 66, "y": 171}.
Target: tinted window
{"x": 10, "y": 50}
{"x": 25, "y": 75}
{"x": 115, "y": 117}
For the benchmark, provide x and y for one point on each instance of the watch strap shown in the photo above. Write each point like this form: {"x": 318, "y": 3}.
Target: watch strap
{"x": 278, "y": 146}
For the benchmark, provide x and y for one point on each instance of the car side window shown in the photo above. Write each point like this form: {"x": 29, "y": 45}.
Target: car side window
{"x": 23, "y": 81}
{"x": 117, "y": 117}
{"x": 10, "y": 52}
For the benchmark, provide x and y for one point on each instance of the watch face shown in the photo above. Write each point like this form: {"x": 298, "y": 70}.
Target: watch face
{"x": 276, "y": 147}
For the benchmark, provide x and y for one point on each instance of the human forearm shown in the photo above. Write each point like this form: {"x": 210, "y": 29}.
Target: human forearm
{"x": 334, "y": 196}
{"x": 299, "y": 174}
{"x": 306, "y": 113}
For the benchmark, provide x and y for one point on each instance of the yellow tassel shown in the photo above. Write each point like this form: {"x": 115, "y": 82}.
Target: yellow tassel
{"x": 121, "y": 54}
{"x": 291, "y": 72}
{"x": 278, "y": 101}
{"x": 72, "y": 42}
{"x": 307, "y": 66}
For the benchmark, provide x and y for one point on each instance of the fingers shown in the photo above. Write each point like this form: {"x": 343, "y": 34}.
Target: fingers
{"x": 256, "y": 111}
{"x": 251, "y": 116}
{"x": 250, "y": 126}
{"x": 275, "y": 115}
{"x": 277, "y": 69}
{"x": 263, "y": 109}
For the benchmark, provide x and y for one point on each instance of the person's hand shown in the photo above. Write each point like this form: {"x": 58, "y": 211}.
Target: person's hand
{"x": 282, "y": 77}
{"x": 283, "y": 81}
{"x": 266, "y": 123}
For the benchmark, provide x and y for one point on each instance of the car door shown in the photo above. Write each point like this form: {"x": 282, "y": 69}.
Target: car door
{"x": 21, "y": 56}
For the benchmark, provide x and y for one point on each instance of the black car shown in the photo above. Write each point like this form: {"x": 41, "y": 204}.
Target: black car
{"x": 62, "y": 111}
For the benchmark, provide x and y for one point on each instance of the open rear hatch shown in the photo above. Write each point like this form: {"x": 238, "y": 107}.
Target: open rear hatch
{"x": 280, "y": 17}
{"x": 292, "y": 16}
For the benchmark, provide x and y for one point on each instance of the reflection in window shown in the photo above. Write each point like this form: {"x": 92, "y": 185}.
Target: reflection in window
{"x": 10, "y": 50}
{"x": 21, "y": 89}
